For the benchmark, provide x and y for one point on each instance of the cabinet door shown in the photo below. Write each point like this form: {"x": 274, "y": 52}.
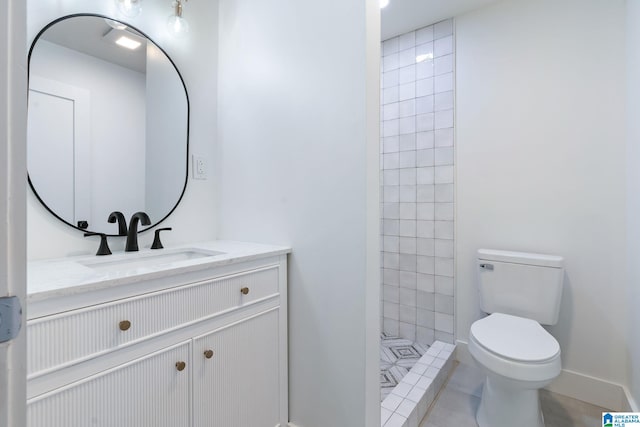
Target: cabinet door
{"x": 149, "y": 391}
{"x": 238, "y": 384}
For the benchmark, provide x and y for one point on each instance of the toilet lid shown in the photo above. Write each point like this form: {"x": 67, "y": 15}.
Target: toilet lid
{"x": 515, "y": 338}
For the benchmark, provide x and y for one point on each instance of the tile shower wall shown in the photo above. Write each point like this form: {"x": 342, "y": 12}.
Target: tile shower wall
{"x": 417, "y": 166}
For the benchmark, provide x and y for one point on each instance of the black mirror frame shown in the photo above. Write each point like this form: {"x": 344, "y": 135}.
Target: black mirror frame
{"x": 186, "y": 93}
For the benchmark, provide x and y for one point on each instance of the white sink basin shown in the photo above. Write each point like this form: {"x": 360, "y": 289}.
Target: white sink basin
{"x": 147, "y": 259}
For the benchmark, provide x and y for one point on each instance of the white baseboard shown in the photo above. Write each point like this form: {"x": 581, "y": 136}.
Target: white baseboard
{"x": 576, "y": 385}
{"x": 632, "y": 404}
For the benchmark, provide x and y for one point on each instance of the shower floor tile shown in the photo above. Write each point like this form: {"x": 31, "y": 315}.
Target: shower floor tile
{"x": 397, "y": 357}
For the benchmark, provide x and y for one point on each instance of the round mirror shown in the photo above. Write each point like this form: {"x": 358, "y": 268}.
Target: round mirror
{"x": 108, "y": 123}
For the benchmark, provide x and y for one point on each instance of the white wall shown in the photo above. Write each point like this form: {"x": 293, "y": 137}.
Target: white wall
{"x": 633, "y": 195}
{"x": 117, "y": 154}
{"x": 540, "y": 161}
{"x": 297, "y": 165}
{"x": 196, "y": 58}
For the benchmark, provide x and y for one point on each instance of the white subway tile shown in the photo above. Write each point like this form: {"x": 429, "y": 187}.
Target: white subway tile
{"x": 444, "y": 304}
{"x": 407, "y": 40}
{"x": 425, "y": 49}
{"x": 443, "y": 64}
{"x": 425, "y": 175}
{"x": 406, "y": 91}
{"x": 444, "y": 267}
{"x": 443, "y": 229}
{"x": 390, "y": 111}
{"x": 424, "y": 158}
{"x": 444, "y": 212}
{"x": 391, "y": 310}
{"x": 424, "y": 300}
{"x": 407, "y": 210}
{"x": 444, "y": 101}
{"x": 391, "y": 177}
{"x": 390, "y": 94}
{"x": 407, "y": 74}
{"x": 391, "y": 260}
{"x": 391, "y": 128}
{"x": 407, "y": 159}
{"x": 425, "y": 335}
{"x": 443, "y": 156}
{"x": 444, "y": 323}
{"x": 391, "y": 210}
{"x": 425, "y": 282}
{"x": 407, "y": 228}
{"x": 424, "y": 104}
{"x": 425, "y": 247}
{"x": 390, "y": 62}
{"x": 424, "y": 35}
{"x": 425, "y": 318}
{"x": 425, "y": 87}
{"x": 408, "y": 193}
{"x": 425, "y": 122}
{"x": 443, "y": 119}
{"x": 408, "y": 331}
{"x": 443, "y": 29}
{"x": 391, "y": 227}
{"x": 391, "y": 294}
{"x": 443, "y": 83}
{"x": 408, "y": 245}
{"x": 407, "y": 108}
{"x": 391, "y": 243}
{"x": 390, "y": 277}
{"x": 444, "y": 248}
{"x": 408, "y": 142}
{"x": 390, "y": 194}
{"x": 406, "y": 57}
{"x": 407, "y": 125}
{"x": 425, "y": 211}
{"x": 444, "y": 285}
{"x": 408, "y": 176}
{"x": 407, "y": 279}
{"x": 444, "y": 193}
{"x": 390, "y": 79}
{"x": 444, "y": 137}
{"x": 425, "y": 193}
{"x": 407, "y": 314}
{"x": 425, "y": 229}
{"x": 425, "y": 69}
{"x": 390, "y": 326}
{"x": 390, "y": 46}
{"x": 442, "y": 46}
{"x": 407, "y": 262}
{"x": 426, "y": 264}
{"x": 390, "y": 144}
{"x": 444, "y": 174}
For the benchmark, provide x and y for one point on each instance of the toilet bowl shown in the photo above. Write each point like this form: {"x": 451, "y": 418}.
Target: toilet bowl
{"x": 518, "y": 357}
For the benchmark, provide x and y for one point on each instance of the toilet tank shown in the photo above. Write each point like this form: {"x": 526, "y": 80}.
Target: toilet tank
{"x": 521, "y": 284}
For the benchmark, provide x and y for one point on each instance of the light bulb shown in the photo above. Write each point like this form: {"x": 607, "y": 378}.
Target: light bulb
{"x": 177, "y": 26}
{"x": 129, "y": 8}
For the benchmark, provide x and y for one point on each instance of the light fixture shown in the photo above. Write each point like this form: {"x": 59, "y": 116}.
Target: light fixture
{"x": 129, "y": 8}
{"x": 384, "y": 3}
{"x": 176, "y": 24}
{"x": 424, "y": 57}
{"x": 125, "y": 41}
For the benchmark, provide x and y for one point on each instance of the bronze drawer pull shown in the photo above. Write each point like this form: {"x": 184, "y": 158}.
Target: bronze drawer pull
{"x": 244, "y": 290}
{"x": 124, "y": 325}
{"x": 180, "y": 366}
{"x": 208, "y": 354}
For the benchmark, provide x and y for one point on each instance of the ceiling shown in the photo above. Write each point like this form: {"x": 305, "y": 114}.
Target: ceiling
{"x": 85, "y": 34}
{"x": 402, "y": 16}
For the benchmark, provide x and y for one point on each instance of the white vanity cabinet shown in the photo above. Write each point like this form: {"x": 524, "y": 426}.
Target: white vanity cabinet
{"x": 205, "y": 348}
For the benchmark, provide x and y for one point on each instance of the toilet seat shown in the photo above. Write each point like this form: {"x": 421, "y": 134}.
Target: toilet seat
{"x": 515, "y": 347}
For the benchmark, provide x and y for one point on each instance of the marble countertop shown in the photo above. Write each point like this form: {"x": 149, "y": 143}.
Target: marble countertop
{"x": 73, "y": 275}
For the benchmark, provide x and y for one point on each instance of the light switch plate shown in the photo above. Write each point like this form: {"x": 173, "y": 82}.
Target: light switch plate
{"x": 199, "y": 167}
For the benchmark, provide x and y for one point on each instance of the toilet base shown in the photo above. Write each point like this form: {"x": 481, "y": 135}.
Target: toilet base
{"x": 502, "y": 405}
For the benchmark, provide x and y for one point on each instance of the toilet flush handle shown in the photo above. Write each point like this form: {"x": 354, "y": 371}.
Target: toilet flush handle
{"x": 488, "y": 267}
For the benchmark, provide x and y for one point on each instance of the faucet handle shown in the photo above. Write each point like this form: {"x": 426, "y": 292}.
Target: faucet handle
{"x": 157, "y": 244}
{"x": 104, "y": 246}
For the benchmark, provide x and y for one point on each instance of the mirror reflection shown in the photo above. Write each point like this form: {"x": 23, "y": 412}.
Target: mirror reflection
{"x": 107, "y": 123}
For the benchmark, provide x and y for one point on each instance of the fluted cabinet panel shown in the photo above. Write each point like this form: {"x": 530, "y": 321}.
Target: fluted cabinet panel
{"x": 149, "y": 391}
{"x": 239, "y": 385}
{"x": 82, "y": 334}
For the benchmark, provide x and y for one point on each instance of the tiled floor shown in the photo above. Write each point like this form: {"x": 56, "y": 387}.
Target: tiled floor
{"x": 397, "y": 357}
{"x": 458, "y": 401}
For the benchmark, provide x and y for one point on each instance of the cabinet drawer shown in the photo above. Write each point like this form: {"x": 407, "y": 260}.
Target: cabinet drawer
{"x": 66, "y": 338}
{"x": 150, "y": 391}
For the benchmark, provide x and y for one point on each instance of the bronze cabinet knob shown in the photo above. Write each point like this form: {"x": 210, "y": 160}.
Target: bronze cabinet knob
{"x": 180, "y": 366}
{"x": 244, "y": 290}
{"x": 124, "y": 325}
{"x": 208, "y": 354}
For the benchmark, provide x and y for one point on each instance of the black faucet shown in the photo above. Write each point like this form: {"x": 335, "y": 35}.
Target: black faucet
{"x": 132, "y": 235}
{"x": 122, "y": 222}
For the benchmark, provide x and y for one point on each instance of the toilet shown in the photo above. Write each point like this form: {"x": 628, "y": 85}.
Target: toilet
{"x": 519, "y": 292}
